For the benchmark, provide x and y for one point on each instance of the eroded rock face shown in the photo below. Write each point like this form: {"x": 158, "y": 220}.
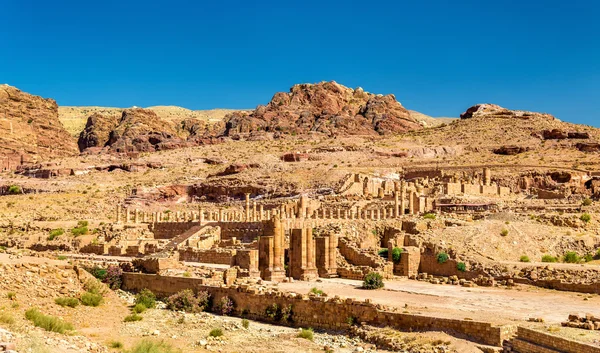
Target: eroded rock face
{"x": 30, "y": 129}
{"x": 498, "y": 112}
{"x": 588, "y": 147}
{"x": 97, "y": 131}
{"x": 510, "y": 150}
{"x": 326, "y": 107}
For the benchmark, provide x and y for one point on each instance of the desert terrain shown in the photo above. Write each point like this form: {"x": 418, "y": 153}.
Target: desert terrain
{"x": 329, "y": 220}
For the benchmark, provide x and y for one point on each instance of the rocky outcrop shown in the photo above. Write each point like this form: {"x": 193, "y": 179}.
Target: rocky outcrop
{"x": 30, "y": 130}
{"x": 490, "y": 111}
{"x": 328, "y": 108}
{"x": 97, "y": 131}
{"x": 557, "y": 134}
{"x": 588, "y": 147}
{"x": 142, "y": 130}
{"x": 510, "y": 150}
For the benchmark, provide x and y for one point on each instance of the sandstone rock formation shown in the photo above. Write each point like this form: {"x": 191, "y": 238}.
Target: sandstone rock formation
{"x": 496, "y": 111}
{"x": 328, "y": 108}
{"x": 30, "y": 129}
{"x": 97, "y": 131}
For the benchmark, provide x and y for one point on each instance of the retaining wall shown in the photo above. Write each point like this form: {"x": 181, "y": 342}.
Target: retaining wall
{"x": 531, "y": 341}
{"x": 318, "y": 312}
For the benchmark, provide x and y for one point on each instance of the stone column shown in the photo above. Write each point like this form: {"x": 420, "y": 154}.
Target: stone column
{"x": 332, "y": 254}
{"x": 411, "y": 202}
{"x": 136, "y": 216}
{"x": 127, "y": 215}
{"x": 201, "y": 215}
{"x": 396, "y": 204}
{"x": 487, "y": 177}
{"x": 310, "y": 249}
{"x": 402, "y": 198}
{"x": 261, "y": 214}
{"x": 254, "y": 215}
{"x": 118, "y": 214}
{"x": 247, "y": 207}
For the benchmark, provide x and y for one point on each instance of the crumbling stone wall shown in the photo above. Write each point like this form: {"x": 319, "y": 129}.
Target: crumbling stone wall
{"x": 171, "y": 229}
{"x": 211, "y": 256}
{"x": 318, "y": 312}
{"x": 531, "y": 341}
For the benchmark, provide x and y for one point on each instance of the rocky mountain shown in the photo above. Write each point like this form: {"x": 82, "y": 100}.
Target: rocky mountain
{"x": 30, "y": 129}
{"x": 142, "y": 130}
{"x": 325, "y": 107}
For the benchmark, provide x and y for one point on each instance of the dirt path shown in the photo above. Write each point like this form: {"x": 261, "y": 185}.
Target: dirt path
{"x": 480, "y": 303}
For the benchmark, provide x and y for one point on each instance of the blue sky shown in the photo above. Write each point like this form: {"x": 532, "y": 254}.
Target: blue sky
{"x": 437, "y": 57}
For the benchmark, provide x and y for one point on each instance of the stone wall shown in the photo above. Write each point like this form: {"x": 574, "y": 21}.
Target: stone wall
{"x": 243, "y": 231}
{"x": 168, "y": 230}
{"x": 531, "y": 341}
{"x": 319, "y": 312}
{"x": 209, "y": 256}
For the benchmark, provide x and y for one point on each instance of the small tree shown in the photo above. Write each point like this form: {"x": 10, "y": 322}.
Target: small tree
{"x": 373, "y": 280}
{"x": 461, "y": 266}
{"x": 571, "y": 257}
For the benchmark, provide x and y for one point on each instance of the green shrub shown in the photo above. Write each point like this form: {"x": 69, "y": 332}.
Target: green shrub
{"x": 549, "y": 258}
{"x": 442, "y": 258}
{"x": 67, "y": 301}
{"x": 48, "y": 323}
{"x": 273, "y": 312}
{"x": 77, "y": 231}
{"x": 396, "y": 254}
{"x": 132, "y": 318}
{"x": 91, "y": 299}
{"x": 55, "y": 233}
{"x": 83, "y": 224}
{"x": 383, "y": 252}
{"x": 306, "y": 333}
{"x": 429, "y": 216}
{"x": 185, "y": 300}
{"x": 94, "y": 286}
{"x": 6, "y": 318}
{"x": 146, "y": 298}
{"x": 588, "y": 257}
{"x": 14, "y": 189}
{"x": 351, "y": 320}
{"x": 586, "y": 217}
{"x": 186, "y": 274}
{"x": 597, "y": 256}
{"x": 461, "y": 266}
{"x": 316, "y": 291}
{"x": 216, "y": 332}
{"x": 11, "y": 295}
{"x": 61, "y": 257}
{"x": 139, "y": 308}
{"x": 587, "y": 202}
{"x": 373, "y": 280}
{"x": 225, "y": 306}
{"x": 571, "y": 257}
{"x": 245, "y": 323}
{"x": 115, "y": 345}
{"x": 504, "y": 232}
{"x": 524, "y": 258}
{"x": 147, "y": 346}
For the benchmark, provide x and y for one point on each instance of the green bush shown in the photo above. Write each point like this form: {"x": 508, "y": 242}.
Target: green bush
{"x": 524, "y": 258}
{"x": 245, "y": 323}
{"x": 216, "y": 332}
{"x": 146, "y": 298}
{"x": 383, "y": 252}
{"x": 461, "y": 266}
{"x": 11, "y": 295}
{"x": 587, "y": 202}
{"x": 55, "y": 233}
{"x": 139, "y": 308}
{"x": 504, "y": 232}
{"x": 588, "y": 257}
{"x": 67, "y": 301}
{"x": 429, "y": 216}
{"x": 91, "y": 299}
{"x": 6, "y": 318}
{"x": 77, "y": 231}
{"x": 224, "y": 306}
{"x": 571, "y": 257}
{"x": 597, "y": 256}
{"x": 316, "y": 291}
{"x": 549, "y": 258}
{"x": 147, "y": 346}
{"x": 396, "y": 254}
{"x": 373, "y": 280}
{"x": 132, "y": 318}
{"x": 306, "y": 333}
{"x": 14, "y": 189}
{"x": 586, "y": 217}
{"x": 115, "y": 345}
{"x": 185, "y": 300}
{"x": 442, "y": 257}
{"x": 48, "y": 323}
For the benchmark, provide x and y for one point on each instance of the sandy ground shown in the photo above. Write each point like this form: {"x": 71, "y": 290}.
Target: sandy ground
{"x": 498, "y": 305}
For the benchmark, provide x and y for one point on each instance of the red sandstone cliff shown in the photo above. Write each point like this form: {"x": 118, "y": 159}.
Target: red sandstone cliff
{"x": 30, "y": 130}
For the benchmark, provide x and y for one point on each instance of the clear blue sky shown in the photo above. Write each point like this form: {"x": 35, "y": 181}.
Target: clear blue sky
{"x": 437, "y": 57}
